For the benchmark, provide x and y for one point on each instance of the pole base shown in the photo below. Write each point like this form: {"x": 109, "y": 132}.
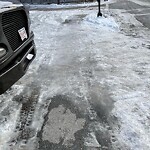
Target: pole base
{"x": 99, "y": 14}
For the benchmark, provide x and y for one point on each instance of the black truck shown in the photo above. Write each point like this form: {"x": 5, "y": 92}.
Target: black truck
{"x": 17, "y": 48}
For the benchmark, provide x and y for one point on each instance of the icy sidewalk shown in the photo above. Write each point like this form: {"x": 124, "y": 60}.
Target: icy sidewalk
{"x": 101, "y": 66}
{"x": 119, "y": 56}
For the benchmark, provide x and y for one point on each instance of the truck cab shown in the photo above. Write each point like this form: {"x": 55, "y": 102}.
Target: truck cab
{"x": 17, "y": 48}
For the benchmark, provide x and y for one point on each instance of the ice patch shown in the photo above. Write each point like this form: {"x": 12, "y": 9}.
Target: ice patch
{"x": 7, "y": 129}
{"x": 133, "y": 111}
{"x": 91, "y": 141}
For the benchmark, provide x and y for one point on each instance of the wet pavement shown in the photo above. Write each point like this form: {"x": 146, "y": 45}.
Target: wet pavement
{"x": 67, "y": 125}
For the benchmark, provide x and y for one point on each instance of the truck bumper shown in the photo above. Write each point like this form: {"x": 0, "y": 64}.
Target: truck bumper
{"x": 18, "y": 66}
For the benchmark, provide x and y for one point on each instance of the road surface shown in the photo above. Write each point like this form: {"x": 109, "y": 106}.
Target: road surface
{"x": 139, "y": 8}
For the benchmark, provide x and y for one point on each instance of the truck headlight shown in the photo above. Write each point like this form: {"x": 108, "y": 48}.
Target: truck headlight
{"x": 2, "y": 52}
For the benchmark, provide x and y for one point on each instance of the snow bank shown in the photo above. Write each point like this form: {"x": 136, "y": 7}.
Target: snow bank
{"x": 102, "y": 22}
{"x": 5, "y": 4}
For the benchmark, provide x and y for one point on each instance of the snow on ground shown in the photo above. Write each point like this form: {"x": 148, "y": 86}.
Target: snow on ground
{"x": 69, "y": 5}
{"x": 34, "y": 6}
{"x": 121, "y": 60}
{"x": 4, "y": 4}
{"x": 126, "y": 68}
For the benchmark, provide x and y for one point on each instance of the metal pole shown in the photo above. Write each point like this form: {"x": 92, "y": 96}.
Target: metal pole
{"x": 99, "y": 8}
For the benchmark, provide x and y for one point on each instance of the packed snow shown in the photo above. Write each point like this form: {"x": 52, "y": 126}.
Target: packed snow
{"x": 120, "y": 58}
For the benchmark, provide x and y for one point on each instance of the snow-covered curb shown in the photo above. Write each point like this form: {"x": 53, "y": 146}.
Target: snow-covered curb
{"x": 68, "y": 5}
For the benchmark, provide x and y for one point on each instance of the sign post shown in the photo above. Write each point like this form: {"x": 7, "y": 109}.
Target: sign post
{"x": 99, "y": 8}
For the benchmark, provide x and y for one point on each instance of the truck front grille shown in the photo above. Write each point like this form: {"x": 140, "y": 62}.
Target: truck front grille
{"x": 11, "y": 23}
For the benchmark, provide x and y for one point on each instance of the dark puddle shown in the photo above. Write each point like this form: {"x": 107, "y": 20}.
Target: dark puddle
{"x": 56, "y": 101}
{"x": 103, "y": 134}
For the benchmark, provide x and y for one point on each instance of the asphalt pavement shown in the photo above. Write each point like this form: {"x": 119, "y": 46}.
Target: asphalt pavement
{"x": 140, "y": 10}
